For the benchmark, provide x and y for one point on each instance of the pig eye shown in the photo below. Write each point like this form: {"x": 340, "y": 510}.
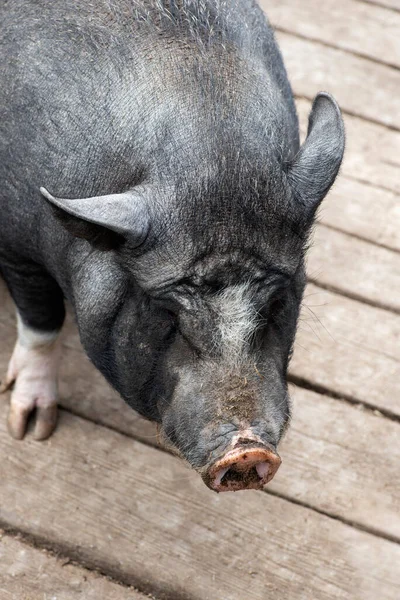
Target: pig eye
{"x": 169, "y": 305}
{"x": 170, "y": 314}
{"x": 172, "y": 319}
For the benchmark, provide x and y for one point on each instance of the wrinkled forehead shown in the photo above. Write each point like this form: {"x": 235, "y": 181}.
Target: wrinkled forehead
{"x": 221, "y": 270}
{"x": 223, "y": 243}
{"x": 214, "y": 270}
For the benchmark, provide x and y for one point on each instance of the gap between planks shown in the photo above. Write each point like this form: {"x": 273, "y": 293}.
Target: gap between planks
{"x": 284, "y": 496}
{"x": 350, "y": 349}
{"x": 362, "y": 55}
{"x": 369, "y": 149}
{"x": 296, "y": 501}
{"x": 352, "y": 295}
{"x": 304, "y": 384}
{"x": 392, "y": 5}
{"x": 360, "y": 89}
{"x": 361, "y": 238}
{"x": 340, "y": 263}
{"x": 365, "y": 31}
{"x": 363, "y": 211}
{"x": 96, "y": 402}
{"x": 370, "y": 530}
{"x": 376, "y": 186}
{"x": 214, "y": 542}
{"x": 30, "y": 568}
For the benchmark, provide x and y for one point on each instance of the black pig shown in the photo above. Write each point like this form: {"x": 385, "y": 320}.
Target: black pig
{"x": 176, "y": 219}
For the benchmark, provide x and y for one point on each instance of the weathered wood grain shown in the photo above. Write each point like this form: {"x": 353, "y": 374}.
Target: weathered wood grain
{"x": 30, "y": 574}
{"x": 343, "y": 479}
{"x": 141, "y": 515}
{"x": 353, "y": 26}
{"x": 342, "y": 460}
{"x": 363, "y": 210}
{"x": 372, "y": 151}
{"x": 355, "y": 267}
{"x": 361, "y": 87}
{"x": 329, "y": 460}
{"x": 349, "y": 348}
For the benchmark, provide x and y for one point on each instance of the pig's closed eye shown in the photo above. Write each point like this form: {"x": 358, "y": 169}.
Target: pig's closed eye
{"x": 172, "y": 319}
{"x": 166, "y": 325}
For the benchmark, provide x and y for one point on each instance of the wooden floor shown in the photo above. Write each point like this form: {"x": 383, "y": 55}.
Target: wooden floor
{"x": 99, "y": 508}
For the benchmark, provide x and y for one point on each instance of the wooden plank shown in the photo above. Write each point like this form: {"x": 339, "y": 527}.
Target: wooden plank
{"x": 328, "y": 455}
{"x": 371, "y": 31}
{"x": 349, "y": 348}
{"x": 372, "y": 151}
{"x": 343, "y": 461}
{"x": 30, "y": 574}
{"x": 365, "y": 211}
{"x": 143, "y": 516}
{"x": 354, "y": 267}
{"x": 361, "y": 87}
{"x": 328, "y": 425}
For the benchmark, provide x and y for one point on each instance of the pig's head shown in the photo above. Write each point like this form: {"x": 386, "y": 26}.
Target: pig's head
{"x": 217, "y": 264}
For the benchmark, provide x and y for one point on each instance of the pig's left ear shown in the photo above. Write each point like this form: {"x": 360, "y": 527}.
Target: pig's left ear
{"x": 315, "y": 167}
{"x": 99, "y": 218}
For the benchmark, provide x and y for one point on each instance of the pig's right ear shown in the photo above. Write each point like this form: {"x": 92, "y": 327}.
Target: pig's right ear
{"x": 316, "y": 165}
{"x": 104, "y": 219}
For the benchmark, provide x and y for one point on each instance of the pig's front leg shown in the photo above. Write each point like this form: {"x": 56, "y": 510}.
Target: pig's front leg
{"x": 32, "y": 372}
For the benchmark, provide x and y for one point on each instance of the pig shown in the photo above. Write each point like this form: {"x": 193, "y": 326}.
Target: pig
{"x": 153, "y": 177}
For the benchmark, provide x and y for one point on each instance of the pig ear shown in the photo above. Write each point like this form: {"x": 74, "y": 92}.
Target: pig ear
{"x": 124, "y": 214}
{"x": 315, "y": 167}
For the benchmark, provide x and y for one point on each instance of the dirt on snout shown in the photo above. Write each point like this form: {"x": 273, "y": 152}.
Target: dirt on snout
{"x": 237, "y": 398}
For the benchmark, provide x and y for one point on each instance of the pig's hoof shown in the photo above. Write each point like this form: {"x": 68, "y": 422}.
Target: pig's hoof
{"x": 33, "y": 373}
{"x": 45, "y": 422}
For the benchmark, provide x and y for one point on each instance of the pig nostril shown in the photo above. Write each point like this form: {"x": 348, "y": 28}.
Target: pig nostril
{"x": 243, "y": 468}
{"x": 233, "y": 474}
{"x": 244, "y": 478}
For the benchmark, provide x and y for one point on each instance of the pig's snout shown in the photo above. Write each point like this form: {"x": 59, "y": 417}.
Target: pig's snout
{"x": 247, "y": 466}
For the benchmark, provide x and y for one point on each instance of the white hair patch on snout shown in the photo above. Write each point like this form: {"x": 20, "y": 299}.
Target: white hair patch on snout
{"x": 237, "y": 321}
